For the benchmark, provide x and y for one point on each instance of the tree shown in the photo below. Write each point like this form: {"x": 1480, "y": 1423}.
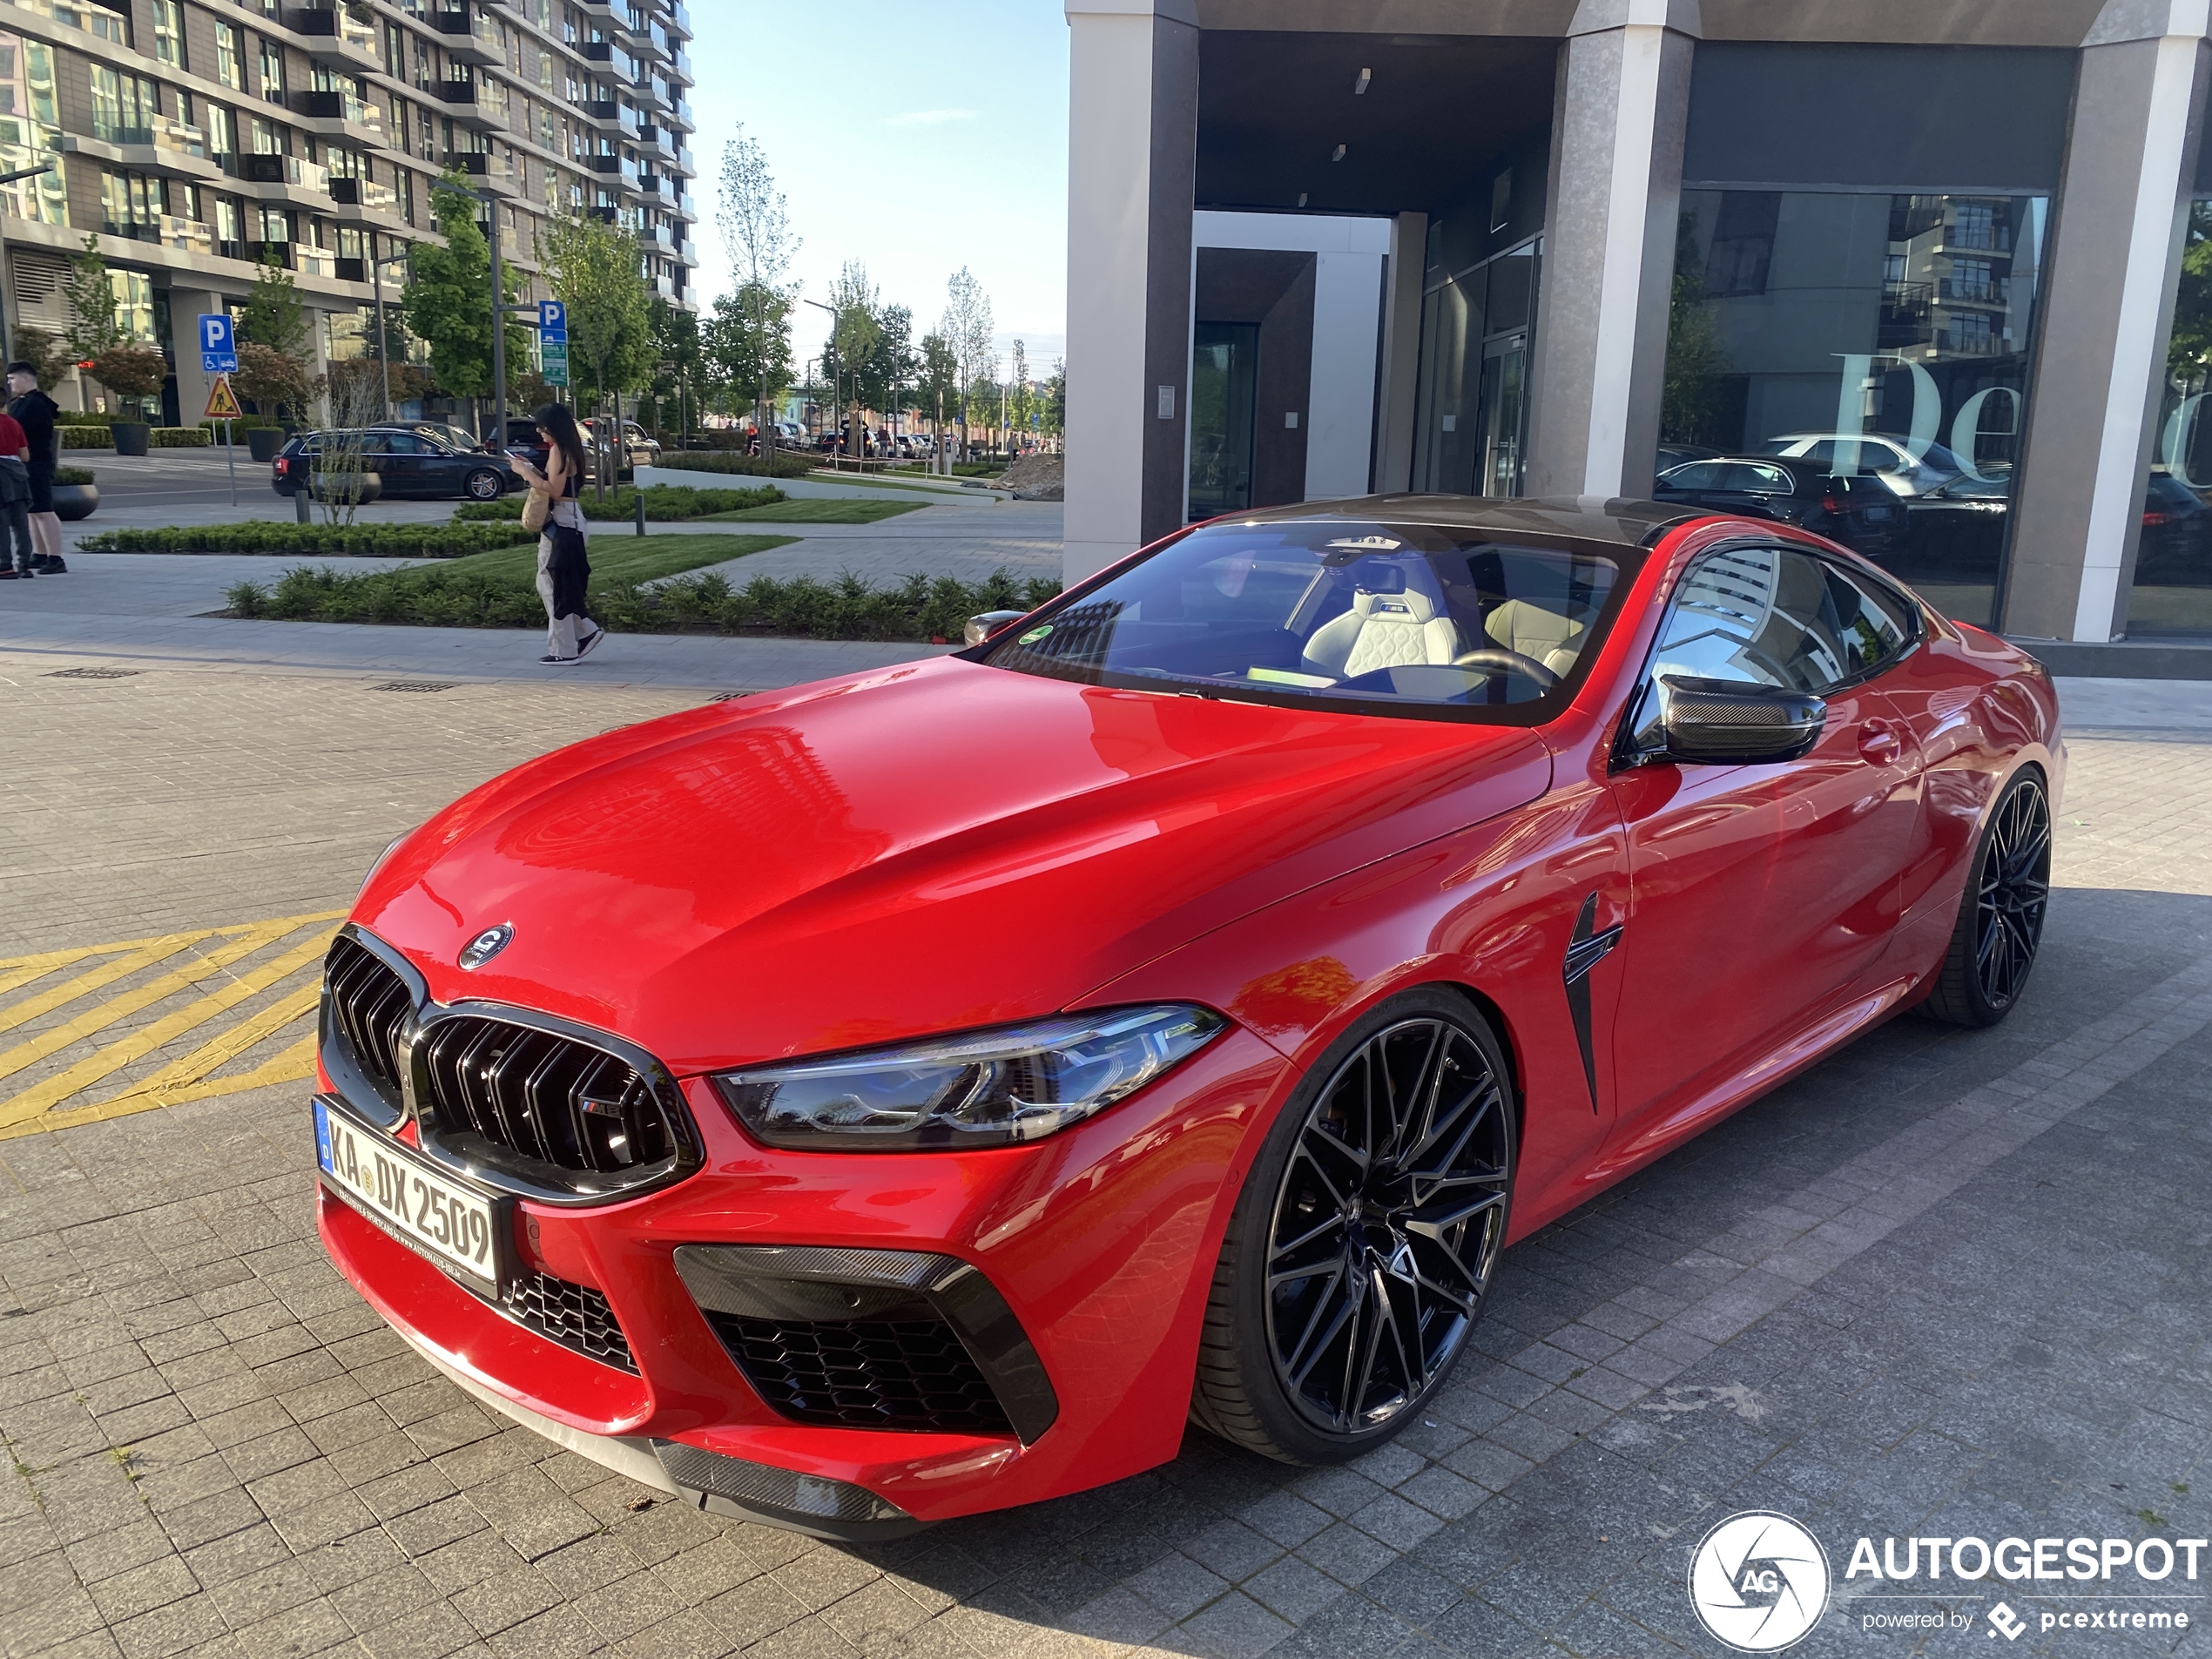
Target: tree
{"x": 968, "y": 330}
{"x": 1691, "y": 397}
{"x": 938, "y": 380}
{"x": 131, "y": 371}
{"x": 447, "y": 302}
{"x": 854, "y": 333}
{"x": 278, "y": 383}
{"x": 91, "y": 303}
{"x": 51, "y": 357}
{"x": 597, "y": 271}
{"x": 747, "y": 345}
{"x": 681, "y": 373}
{"x": 890, "y": 369}
{"x": 1017, "y": 380}
{"x": 756, "y": 233}
{"x": 274, "y": 316}
{"x": 1056, "y": 398}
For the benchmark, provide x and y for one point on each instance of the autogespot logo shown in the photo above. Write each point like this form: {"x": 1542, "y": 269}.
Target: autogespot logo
{"x": 1759, "y": 1582}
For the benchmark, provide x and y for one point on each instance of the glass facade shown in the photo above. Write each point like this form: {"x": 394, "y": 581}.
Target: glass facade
{"x": 1879, "y": 340}
{"x": 2173, "y": 588}
{"x": 1471, "y": 410}
{"x": 1225, "y": 360}
{"x": 28, "y": 124}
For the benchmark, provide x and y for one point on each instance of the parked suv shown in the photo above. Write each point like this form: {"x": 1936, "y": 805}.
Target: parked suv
{"x": 639, "y": 447}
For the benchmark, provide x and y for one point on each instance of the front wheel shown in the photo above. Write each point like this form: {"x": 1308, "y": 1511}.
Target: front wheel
{"x": 483, "y": 485}
{"x": 1365, "y": 1239}
{"x": 2001, "y": 919}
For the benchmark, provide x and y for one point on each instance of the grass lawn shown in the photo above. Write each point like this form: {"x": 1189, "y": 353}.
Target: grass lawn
{"x": 820, "y": 510}
{"x": 485, "y": 589}
{"x": 921, "y": 482}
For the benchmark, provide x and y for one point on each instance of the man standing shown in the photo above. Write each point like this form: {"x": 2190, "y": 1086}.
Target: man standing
{"x": 15, "y": 499}
{"x": 34, "y": 411}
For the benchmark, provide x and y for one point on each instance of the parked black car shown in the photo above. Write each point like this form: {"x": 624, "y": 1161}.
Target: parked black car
{"x": 1863, "y": 513}
{"x": 411, "y": 463}
{"x": 2176, "y": 547}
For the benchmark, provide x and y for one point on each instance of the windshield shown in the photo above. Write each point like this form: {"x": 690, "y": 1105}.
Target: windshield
{"x": 1401, "y": 619}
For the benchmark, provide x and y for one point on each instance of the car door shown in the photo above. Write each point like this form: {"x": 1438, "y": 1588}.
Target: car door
{"x": 1761, "y": 894}
{"x": 407, "y": 463}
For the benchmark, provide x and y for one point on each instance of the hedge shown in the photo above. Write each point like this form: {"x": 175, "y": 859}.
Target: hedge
{"x": 664, "y": 503}
{"x": 787, "y": 464}
{"x": 186, "y": 437}
{"x": 351, "y": 540}
{"x": 93, "y": 437}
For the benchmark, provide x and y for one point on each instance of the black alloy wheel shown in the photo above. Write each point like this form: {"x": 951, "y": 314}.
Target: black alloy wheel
{"x": 2001, "y": 919}
{"x": 1365, "y": 1238}
{"x": 483, "y": 485}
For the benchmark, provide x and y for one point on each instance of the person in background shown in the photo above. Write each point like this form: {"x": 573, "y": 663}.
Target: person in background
{"x": 34, "y": 412}
{"x": 562, "y": 568}
{"x": 15, "y": 499}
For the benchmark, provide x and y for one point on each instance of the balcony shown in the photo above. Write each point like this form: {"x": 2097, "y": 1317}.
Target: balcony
{"x": 604, "y": 112}
{"x": 679, "y": 17}
{"x": 167, "y": 230}
{"x": 286, "y": 173}
{"x": 493, "y": 173}
{"x": 469, "y": 38}
{"x": 330, "y": 113}
{"x": 168, "y": 148}
{"x": 479, "y": 103}
{"x": 336, "y": 38}
{"x": 310, "y": 260}
{"x": 606, "y": 215}
{"x": 658, "y": 140}
{"x": 1987, "y": 291}
{"x": 365, "y": 194}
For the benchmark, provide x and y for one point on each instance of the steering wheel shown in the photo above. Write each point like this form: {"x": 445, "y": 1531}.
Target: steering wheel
{"x": 1511, "y": 662}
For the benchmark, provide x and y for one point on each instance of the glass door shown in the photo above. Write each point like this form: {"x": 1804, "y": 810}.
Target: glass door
{"x": 1505, "y": 397}
{"x": 1224, "y": 359}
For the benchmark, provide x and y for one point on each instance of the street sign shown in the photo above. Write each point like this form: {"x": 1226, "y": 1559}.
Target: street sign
{"x": 222, "y": 403}
{"x": 554, "y": 354}
{"x": 552, "y": 319}
{"x": 218, "y": 346}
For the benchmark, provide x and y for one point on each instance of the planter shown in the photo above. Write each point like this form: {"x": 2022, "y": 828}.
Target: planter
{"x": 131, "y": 437}
{"x": 75, "y": 501}
{"x": 320, "y": 486}
{"x": 262, "y": 442}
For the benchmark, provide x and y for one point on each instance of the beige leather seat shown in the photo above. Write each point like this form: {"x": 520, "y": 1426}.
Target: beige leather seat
{"x": 1381, "y": 631}
{"x": 1544, "y": 636}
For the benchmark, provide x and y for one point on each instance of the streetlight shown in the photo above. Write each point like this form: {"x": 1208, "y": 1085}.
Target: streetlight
{"x": 10, "y": 178}
{"x": 836, "y": 375}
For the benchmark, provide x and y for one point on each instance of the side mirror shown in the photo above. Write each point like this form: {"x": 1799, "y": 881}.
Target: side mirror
{"x": 1723, "y": 723}
{"x": 980, "y": 628}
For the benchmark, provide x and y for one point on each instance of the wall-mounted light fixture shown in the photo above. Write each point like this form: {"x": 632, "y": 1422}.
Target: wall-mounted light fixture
{"x": 1360, "y": 85}
{"x": 1339, "y": 154}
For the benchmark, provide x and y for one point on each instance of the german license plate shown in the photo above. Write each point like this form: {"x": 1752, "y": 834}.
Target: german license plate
{"x": 453, "y": 1225}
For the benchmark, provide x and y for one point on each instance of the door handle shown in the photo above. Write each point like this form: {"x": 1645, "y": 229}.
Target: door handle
{"x": 1878, "y": 744}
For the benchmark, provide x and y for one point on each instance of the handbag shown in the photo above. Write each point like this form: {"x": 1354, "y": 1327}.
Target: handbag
{"x": 536, "y": 510}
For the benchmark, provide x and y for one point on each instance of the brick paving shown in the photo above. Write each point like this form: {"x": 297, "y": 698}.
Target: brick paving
{"x": 1947, "y": 1283}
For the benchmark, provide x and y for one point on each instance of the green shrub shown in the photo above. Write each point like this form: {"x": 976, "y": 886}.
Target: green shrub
{"x": 787, "y": 464}
{"x": 82, "y": 417}
{"x": 664, "y": 504}
{"x": 186, "y": 437}
{"x": 352, "y": 541}
{"x": 74, "y": 476}
{"x": 93, "y": 437}
{"x": 247, "y": 599}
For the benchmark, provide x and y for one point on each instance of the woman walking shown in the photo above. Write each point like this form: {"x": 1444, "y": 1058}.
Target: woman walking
{"x": 563, "y": 567}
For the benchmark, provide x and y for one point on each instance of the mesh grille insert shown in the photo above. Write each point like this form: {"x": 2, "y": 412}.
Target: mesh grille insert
{"x": 575, "y": 1316}
{"x": 864, "y": 1374}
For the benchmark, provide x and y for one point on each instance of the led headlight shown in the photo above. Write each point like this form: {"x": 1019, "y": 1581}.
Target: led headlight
{"x": 987, "y": 1088}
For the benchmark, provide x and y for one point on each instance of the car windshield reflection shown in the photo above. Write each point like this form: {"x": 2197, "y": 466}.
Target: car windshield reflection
{"x": 1401, "y": 617}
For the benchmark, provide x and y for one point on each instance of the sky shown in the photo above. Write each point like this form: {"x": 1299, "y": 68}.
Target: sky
{"x": 915, "y": 138}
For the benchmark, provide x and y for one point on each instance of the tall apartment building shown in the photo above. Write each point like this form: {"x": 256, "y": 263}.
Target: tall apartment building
{"x": 188, "y": 134}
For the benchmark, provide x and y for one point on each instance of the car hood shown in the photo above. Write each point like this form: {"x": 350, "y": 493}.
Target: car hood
{"x": 923, "y": 848}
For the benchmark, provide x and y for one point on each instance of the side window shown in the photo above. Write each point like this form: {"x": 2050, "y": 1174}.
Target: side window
{"x": 1766, "y": 616}
{"x": 1698, "y": 475}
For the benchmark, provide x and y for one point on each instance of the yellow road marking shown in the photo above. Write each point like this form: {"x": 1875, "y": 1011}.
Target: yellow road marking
{"x": 46, "y": 1001}
{"x": 38, "y": 1098}
{"x": 170, "y": 1082}
{"x": 293, "y": 1065}
{"x": 23, "y": 969}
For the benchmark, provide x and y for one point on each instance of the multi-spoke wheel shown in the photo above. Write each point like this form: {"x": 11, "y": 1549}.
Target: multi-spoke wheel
{"x": 1365, "y": 1239}
{"x": 2001, "y": 921}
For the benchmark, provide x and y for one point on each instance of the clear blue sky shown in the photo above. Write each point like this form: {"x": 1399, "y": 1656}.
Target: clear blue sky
{"x": 916, "y": 138}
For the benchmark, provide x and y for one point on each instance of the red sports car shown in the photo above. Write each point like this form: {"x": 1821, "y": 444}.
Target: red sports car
{"x": 927, "y": 1091}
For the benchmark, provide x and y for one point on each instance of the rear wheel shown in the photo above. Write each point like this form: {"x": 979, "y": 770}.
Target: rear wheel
{"x": 483, "y": 485}
{"x": 1365, "y": 1239}
{"x": 2001, "y": 919}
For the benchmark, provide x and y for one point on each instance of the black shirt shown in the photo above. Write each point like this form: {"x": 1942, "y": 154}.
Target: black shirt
{"x": 34, "y": 412}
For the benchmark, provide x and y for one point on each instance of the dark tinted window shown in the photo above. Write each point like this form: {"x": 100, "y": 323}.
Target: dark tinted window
{"x": 1375, "y": 613}
{"x": 1769, "y": 616}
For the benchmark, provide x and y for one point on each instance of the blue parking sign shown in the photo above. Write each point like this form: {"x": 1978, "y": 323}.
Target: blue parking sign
{"x": 552, "y": 319}
{"x": 218, "y": 345}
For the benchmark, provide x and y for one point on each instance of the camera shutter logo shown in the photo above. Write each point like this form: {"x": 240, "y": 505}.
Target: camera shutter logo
{"x": 486, "y": 945}
{"x": 1759, "y": 1582}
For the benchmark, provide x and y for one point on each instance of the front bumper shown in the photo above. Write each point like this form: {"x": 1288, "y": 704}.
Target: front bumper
{"x": 1097, "y": 1244}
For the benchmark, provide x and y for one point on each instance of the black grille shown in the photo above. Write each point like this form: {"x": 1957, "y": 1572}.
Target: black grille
{"x": 864, "y": 1374}
{"x": 369, "y": 1004}
{"x": 575, "y": 1316}
{"x": 549, "y": 1097}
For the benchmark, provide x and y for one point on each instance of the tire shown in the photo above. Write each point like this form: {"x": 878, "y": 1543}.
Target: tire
{"x": 1320, "y": 1369}
{"x": 2000, "y": 919}
{"x": 483, "y": 485}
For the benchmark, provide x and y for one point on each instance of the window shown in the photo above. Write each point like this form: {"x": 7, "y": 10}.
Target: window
{"x": 169, "y": 32}
{"x": 268, "y": 139}
{"x": 1388, "y": 617}
{"x": 1769, "y": 617}
{"x": 272, "y": 70}
{"x": 133, "y": 292}
{"x": 227, "y": 57}
{"x": 1920, "y": 307}
{"x": 131, "y": 204}
{"x": 124, "y": 108}
{"x": 222, "y": 133}
{"x": 277, "y": 229}
{"x": 230, "y": 228}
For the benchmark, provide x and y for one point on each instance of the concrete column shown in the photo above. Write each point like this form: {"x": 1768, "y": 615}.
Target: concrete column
{"x": 2107, "y": 304}
{"x": 185, "y": 306}
{"x": 1401, "y": 354}
{"x": 1615, "y": 189}
{"x": 1132, "y": 165}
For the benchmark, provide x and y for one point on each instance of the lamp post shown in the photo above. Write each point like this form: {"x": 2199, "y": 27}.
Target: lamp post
{"x": 836, "y": 375}
{"x": 10, "y": 178}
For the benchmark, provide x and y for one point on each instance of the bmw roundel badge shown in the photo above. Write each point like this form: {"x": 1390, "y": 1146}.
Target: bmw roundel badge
{"x": 487, "y": 945}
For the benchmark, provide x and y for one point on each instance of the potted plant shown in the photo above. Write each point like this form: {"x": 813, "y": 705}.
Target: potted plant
{"x": 134, "y": 373}
{"x": 279, "y": 385}
{"x": 75, "y": 495}
{"x": 263, "y": 439}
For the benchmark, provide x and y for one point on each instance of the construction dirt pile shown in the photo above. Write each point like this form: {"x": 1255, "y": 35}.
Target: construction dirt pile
{"x": 1038, "y": 477}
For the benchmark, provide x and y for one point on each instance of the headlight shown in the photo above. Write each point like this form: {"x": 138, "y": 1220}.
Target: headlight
{"x": 990, "y": 1089}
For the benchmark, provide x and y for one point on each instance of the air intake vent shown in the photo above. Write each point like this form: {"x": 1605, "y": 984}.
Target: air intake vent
{"x": 575, "y": 1316}
{"x": 866, "y": 1373}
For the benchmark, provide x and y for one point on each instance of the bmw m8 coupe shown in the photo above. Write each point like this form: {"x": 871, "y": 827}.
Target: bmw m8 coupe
{"x": 932, "y": 1090}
